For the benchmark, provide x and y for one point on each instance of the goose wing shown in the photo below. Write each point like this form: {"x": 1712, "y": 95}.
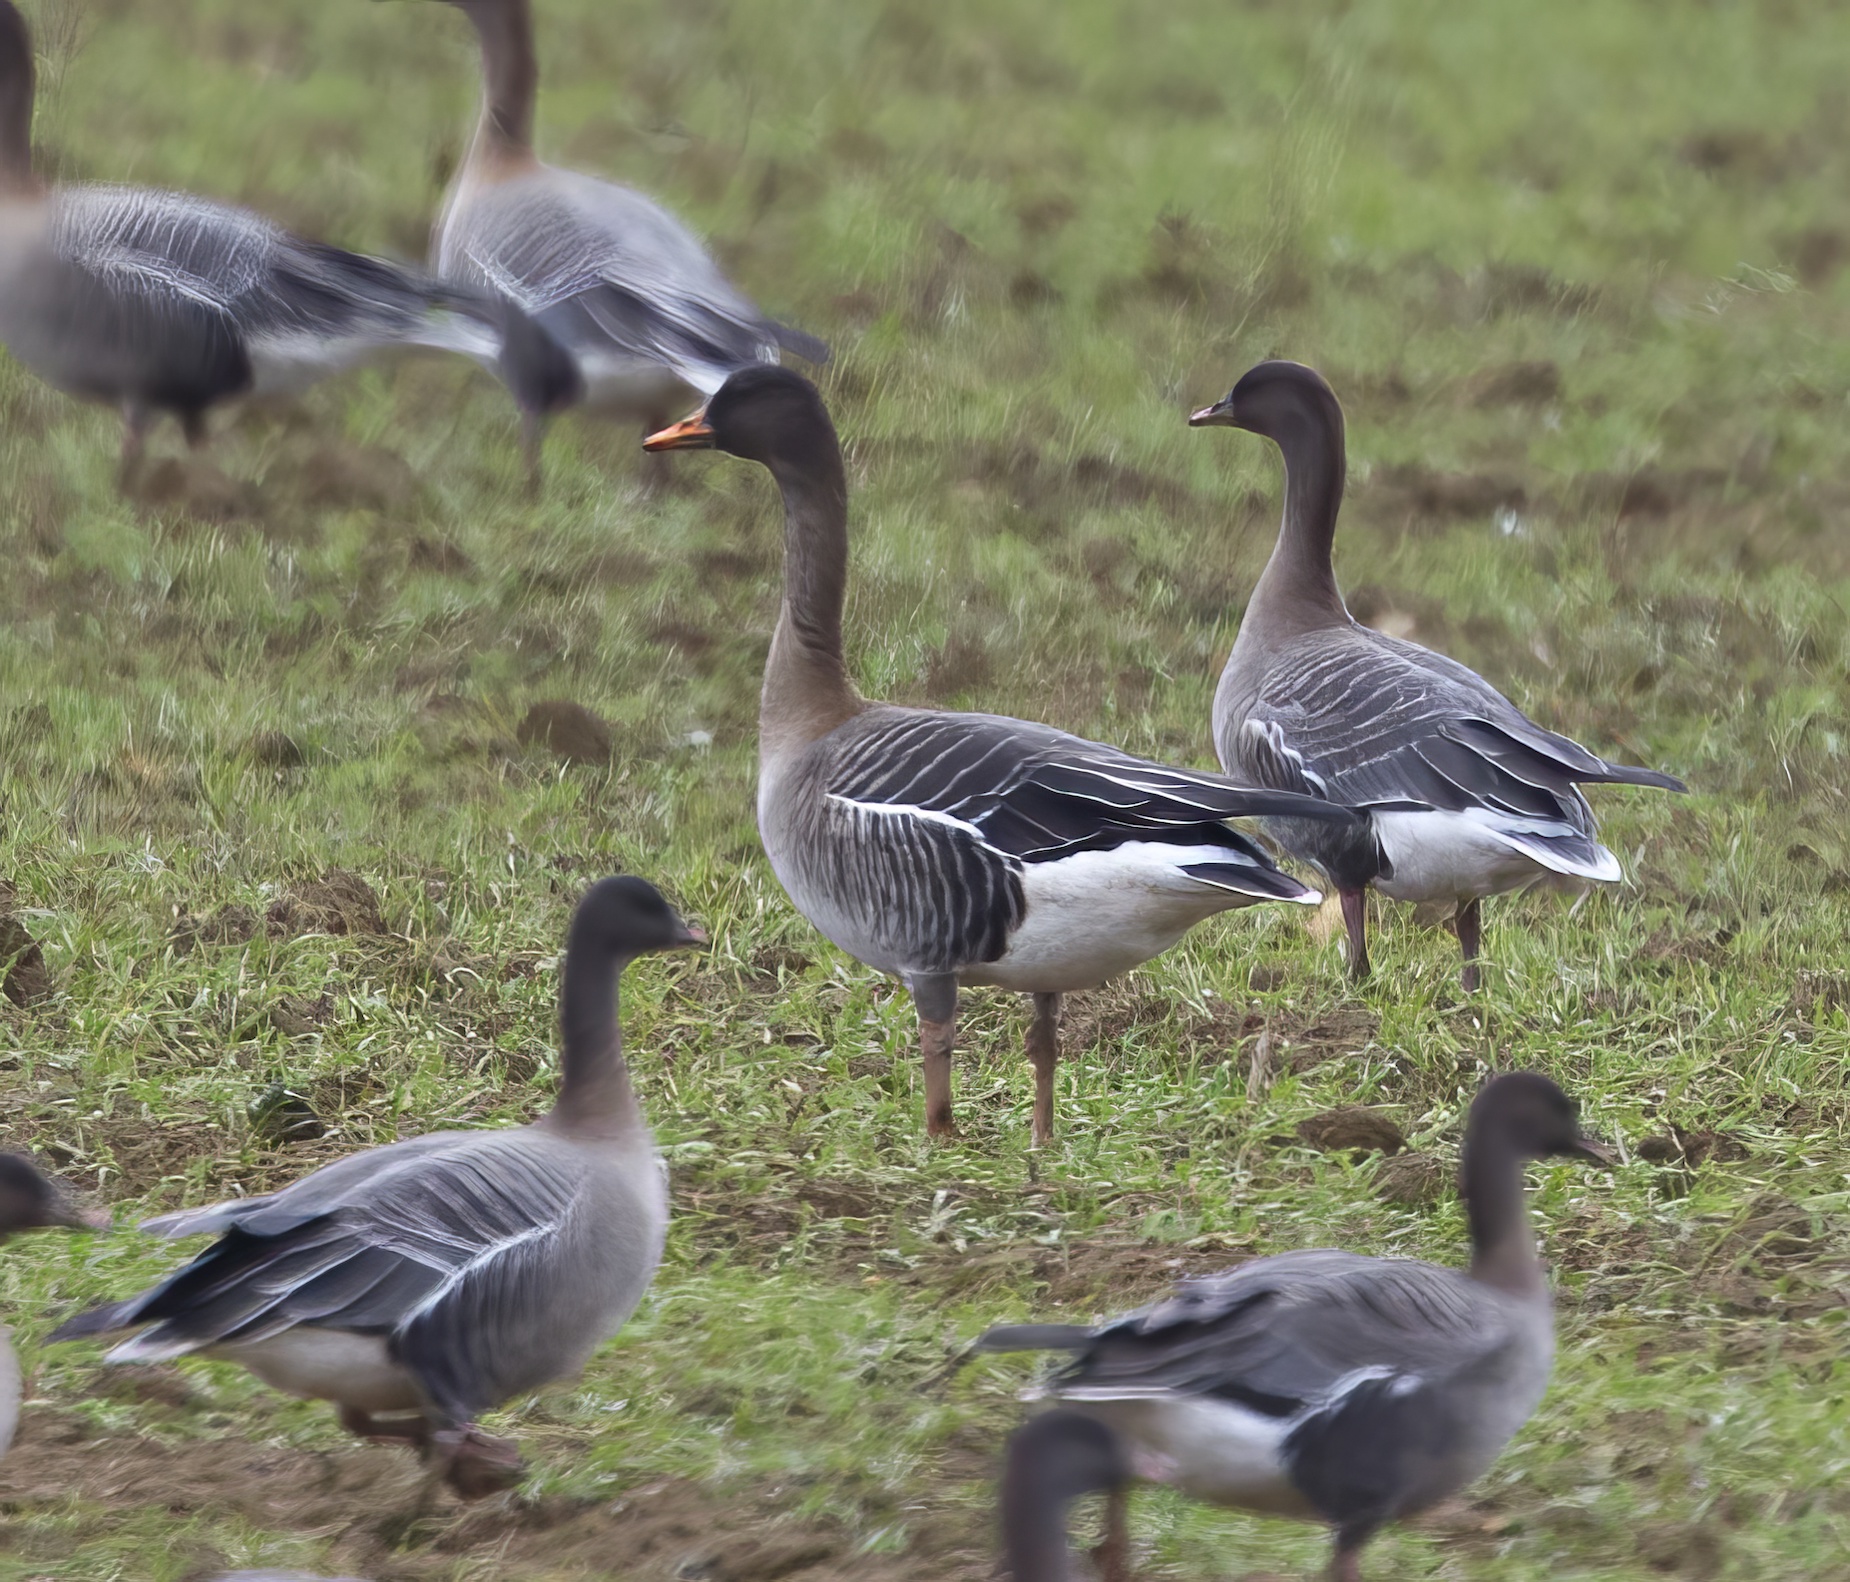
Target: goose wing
{"x": 1379, "y": 724}
{"x": 606, "y": 270}
{"x": 930, "y": 819}
{"x": 446, "y": 1245}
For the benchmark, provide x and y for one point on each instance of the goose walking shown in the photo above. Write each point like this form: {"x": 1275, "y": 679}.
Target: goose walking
{"x": 1330, "y": 1386}
{"x": 952, "y": 849}
{"x": 1054, "y": 1459}
{"x": 610, "y": 275}
{"x": 418, "y": 1285}
{"x": 29, "y": 1200}
{"x": 162, "y": 302}
{"x": 1462, "y": 795}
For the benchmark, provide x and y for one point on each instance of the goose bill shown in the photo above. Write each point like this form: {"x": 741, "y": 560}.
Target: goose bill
{"x": 1220, "y": 415}
{"x": 691, "y": 433}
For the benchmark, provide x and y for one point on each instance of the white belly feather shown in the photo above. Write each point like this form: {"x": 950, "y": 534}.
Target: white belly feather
{"x": 1211, "y": 1450}
{"x": 327, "y": 1365}
{"x": 1440, "y": 856}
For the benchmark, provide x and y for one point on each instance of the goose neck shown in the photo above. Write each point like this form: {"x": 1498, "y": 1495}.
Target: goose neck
{"x": 595, "y": 1092}
{"x": 807, "y": 692}
{"x": 17, "y": 87}
{"x": 1502, "y": 1243}
{"x": 510, "y": 77}
{"x": 1297, "y": 591}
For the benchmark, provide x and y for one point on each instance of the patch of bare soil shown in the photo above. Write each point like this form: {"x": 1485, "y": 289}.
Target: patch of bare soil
{"x": 1097, "y": 1276}
{"x": 1534, "y": 383}
{"x": 362, "y": 1500}
{"x": 276, "y": 750}
{"x": 1358, "y": 1128}
{"x": 198, "y": 490}
{"x": 1411, "y": 493}
{"x": 338, "y": 902}
{"x": 26, "y": 980}
{"x": 229, "y": 925}
{"x": 568, "y": 730}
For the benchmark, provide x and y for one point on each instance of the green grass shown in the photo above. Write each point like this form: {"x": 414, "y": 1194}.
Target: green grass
{"x": 1036, "y": 236}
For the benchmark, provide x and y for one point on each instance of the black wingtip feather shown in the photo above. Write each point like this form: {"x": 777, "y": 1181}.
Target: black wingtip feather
{"x": 104, "y": 1320}
{"x": 810, "y": 348}
{"x": 1034, "y": 1337}
{"x": 1631, "y": 775}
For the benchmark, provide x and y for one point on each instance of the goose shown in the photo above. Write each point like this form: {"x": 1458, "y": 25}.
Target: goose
{"x": 1054, "y": 1459}
{"x": 164, "y": 302}
{"x": 29, "y": 1200}
{"x": 1462, "y": 795}
{"x": 1330, "y": 1386}
{"x": 609, "y": 274}
{"x": 956, "y": 849}
{"x": 418, "y": 1285}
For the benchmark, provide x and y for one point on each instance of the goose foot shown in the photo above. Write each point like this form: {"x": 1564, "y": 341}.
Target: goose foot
{"x": 476, "y": 1464}
{"x": 1468, "y": 925}
{"x": 936, "y": 1040}
{"x": 1044, "y": 1052}
{"x": 1355, "y": 923}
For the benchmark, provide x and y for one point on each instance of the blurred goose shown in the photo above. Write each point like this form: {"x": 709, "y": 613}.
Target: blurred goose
{"x": 950, "y": 849}
{"x": 1462, "y": 796}
{"x": 436, "y": 1278}
{"x": 157, "y": 302}
{"x": 1054, "y": 1459}
{"x": 610, "y": 275}
{"x": 30, "y": 1201}
{"x": 1325, "y": 1385}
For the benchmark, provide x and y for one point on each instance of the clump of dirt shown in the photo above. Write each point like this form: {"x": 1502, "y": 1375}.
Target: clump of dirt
{"x": 229, "y": 925}
{"x": 1533, "y": 383}
{"x": 198, "y": 490}
{"x": 1413, "y": 493}
{"x": 1359, "y": 1128}
{"x": 1411, "y": 1180}
{"x": 276, "y": 750}
{"x": 1679, "y": 1146}
{"x": 27, "y": 979}
{"x": 567, "y": 729}
{"x": 338, "y": 902}
{"x": 296, "y": 1016}
{"x": 336, "y": 476}
{"x": 279, "y": 1116}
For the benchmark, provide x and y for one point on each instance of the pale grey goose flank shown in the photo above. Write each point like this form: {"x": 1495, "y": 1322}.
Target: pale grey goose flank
{"x": 436, "y": 1278}
{"x": 29, "y": 1200}
{"x": 162, "y": 302}
{"x": 1462, "y": 796}
{"x": 1054, "y": 1459}
{"x": 609, "y": 274}
{"x": 1333, "y": 1387}
{"x": 950, "y": 849}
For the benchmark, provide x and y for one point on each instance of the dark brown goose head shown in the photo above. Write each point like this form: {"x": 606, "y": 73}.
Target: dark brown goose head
{"x": 1276, "y": 399}
{"x": 1053, "y": 1459}
{"x": 765, "y": 414}
{"x": 30, "y": 1200}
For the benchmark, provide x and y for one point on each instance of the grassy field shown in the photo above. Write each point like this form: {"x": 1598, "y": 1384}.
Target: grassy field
{"x": 1581, "y": 273}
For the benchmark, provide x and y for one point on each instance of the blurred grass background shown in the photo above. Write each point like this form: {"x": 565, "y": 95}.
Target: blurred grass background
{"x": 1580, "y": 276}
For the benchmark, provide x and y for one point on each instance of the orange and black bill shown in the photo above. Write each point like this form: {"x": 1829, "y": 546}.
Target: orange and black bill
{"x": 691, "y": 433}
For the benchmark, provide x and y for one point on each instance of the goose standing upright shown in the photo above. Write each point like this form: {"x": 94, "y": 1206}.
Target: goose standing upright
{"x": 1333, "y": 1387}
{"x": 951, "y": 849}
{"x": 29, "y": 1200}
{"x": 610, "y": 275}
{"x": 162, "y": 302}
{"x": 436, "y": 1278}
{"x": 1054, "y": 1459}
{"x": 1462, "y": 795}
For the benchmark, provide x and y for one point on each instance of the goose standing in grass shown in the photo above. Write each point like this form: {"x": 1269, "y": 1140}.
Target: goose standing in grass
{"x": 1329, "y": 1386}
{"x": 29, "y": 1200}
{"x": 162, "y": 302}
{"x": 1462, "y": 795}
{"x": 609, "y": 274}
{"x": 1054, "y": 1459}
{"x": 418, "y": 1285}
{"x": 950, "y": 849}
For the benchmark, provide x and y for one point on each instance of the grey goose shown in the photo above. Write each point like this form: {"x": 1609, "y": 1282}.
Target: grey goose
{"x": 951, "y": 849}
{"x": 418, "y": 1285}
{"x": 30, "y": 1200}
{"x": 1334, "y": 1387}
{"x": 1462, "y": 795}
{"x": 1053, "y": 1459}
{"x": 611, "y": 276}
{"x": 163, "y": 302}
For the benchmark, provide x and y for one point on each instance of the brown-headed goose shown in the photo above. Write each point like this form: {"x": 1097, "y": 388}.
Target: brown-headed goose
{"x": 436, "y": 1278}
{"x": 1333, "y": 1387}
{"x": 951, "y": 849}
{"x": 1054, "y": 1459}
{"x": 609, "y": 274}
{"x": 155, "y": 302}
{"x": 1462, "y": 795}
{"x": 29, "y": 1200}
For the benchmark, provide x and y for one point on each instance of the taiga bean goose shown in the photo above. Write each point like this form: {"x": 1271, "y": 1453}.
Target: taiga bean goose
{"x": 436, "y": 1278}
{"x": 951, "y": 849}
{"x": 156, "y": 302}
{"x": 1329, "y": 1386}
{"x": 1462, "y": 796}
{"x": 611, "y": 275}
{"x": 30, "y": 1201}
{"x": 1054, "y": 1459}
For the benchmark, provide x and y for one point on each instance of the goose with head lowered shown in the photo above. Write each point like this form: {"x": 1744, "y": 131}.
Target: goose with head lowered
{"x": 417, "y": 1286}
{"x": 1053, "y": 1459}
{"x": 951, "y": 849}
{"x": 163, "y": 302}
{"x": 630, "y": 293}
{"x": 1330, "y": 1386}
{"x": 1461, "y": 795}
{"x": 30, "y": 1200}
